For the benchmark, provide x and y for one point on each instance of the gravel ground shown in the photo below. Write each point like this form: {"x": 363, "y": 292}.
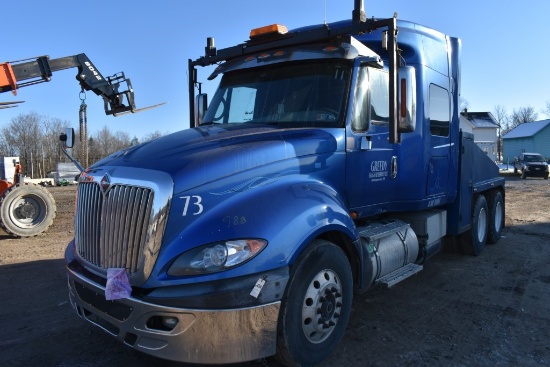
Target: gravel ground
{"x": 490, "y": 310}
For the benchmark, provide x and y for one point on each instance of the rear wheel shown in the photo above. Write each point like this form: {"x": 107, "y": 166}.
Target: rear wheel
{"x": 316, "y": 306}
{"x": 495, "y": 204}
{"x": 26, "y": 210}
{"x": 473, "y": 241}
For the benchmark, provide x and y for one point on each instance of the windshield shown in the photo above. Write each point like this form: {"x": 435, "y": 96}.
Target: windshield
{"x": 291, "y": 94}
{"x": 534, "y": 158}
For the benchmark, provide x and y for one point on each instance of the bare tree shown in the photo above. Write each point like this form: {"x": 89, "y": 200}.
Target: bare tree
{"x": 523, "y": 115}
{"x": 503, "y": 120}
{"x": 546, "y": 110}
{"x": 7, "y": 147}
{"x": 24, "y": 135}
{"x": 51, "y": 152}
{"x": 501, "y": 116}
{"x": 152, "y": 136}
{"x": 121, "y": 140}
{"x": 105, "y": 143}
{"x": 98, "y": 145}
{"x": 35, "y": 139}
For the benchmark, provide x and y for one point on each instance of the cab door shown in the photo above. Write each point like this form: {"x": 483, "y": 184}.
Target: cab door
{"x": 371, "y": 162}
{"x": 439, "y": 150}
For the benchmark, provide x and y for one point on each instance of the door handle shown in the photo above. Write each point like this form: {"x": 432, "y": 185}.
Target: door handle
{"x": 393, "y": 167}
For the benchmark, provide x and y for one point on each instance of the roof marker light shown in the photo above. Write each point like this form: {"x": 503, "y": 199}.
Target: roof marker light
{"x": 268, "y": 30}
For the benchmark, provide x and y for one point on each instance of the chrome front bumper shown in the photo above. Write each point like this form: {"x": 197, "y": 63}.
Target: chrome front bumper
{"x": 200, "y": 336}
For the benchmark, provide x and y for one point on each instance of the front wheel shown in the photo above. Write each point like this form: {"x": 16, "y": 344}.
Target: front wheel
{"x": 316, "y": 305}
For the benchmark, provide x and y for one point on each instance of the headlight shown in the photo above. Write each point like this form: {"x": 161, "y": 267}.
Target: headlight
{"x": 216, "y": 257}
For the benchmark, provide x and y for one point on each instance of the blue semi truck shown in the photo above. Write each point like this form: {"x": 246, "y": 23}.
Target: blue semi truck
{"x": 329, "y": 161}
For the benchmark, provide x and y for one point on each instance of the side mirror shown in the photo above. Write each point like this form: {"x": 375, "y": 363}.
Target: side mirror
{"x": 67, "y": 138}
{"x": 407, "y": 99}
{"x": 201, "y": 104}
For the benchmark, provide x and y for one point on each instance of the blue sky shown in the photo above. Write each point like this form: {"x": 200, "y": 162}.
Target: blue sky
{"x": 504, "y": 48}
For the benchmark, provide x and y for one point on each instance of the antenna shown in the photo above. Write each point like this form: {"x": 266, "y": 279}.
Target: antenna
{"x": 325, "y": 21}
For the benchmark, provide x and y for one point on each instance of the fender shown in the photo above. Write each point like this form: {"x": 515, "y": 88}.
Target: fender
{"x": 288, "y": 211}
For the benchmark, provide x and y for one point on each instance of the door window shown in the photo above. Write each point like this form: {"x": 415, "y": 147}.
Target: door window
{"x": 439, "y": 111}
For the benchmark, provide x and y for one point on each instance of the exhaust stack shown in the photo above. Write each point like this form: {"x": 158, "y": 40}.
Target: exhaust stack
{"x": 358, "y": 15}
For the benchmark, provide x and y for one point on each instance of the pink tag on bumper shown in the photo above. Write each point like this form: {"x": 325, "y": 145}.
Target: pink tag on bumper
{"x": 118, "y": 285}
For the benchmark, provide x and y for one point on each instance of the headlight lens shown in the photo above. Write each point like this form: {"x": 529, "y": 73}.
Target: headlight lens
{"x": 216, "y": 257}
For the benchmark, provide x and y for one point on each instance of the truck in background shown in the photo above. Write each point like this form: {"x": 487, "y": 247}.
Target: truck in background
{"x": 329, "y": 161}
{"x": 531, "y": 165}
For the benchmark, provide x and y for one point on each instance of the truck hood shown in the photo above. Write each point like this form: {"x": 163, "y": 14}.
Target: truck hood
{"x": 200, "y": 155}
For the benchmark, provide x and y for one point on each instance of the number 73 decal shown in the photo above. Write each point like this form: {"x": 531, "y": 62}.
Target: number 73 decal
{"x": 193, "y": 205}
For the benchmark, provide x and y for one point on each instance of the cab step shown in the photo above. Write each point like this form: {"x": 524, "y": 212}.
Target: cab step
{"x": 399, "y": 275}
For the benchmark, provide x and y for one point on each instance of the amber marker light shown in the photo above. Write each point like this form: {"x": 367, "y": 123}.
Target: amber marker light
{"x": 268, "y": 30}
{"x": 403, "y": 98}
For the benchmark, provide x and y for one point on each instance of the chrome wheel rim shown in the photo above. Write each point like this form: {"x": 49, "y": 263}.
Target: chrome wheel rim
{"x": 322, "y": 306}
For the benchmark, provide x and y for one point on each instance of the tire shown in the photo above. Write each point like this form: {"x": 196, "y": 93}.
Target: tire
{"x": 523, "y": 174}
{"x": 515, "y": 169}
{"x": 316, "y": 306}
{"x": 474, "y": 240}
{"x": 495, "y": 204}
{"x": 26, "y": 210}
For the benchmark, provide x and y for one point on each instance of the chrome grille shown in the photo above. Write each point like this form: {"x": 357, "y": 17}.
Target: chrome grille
{"x": 112, "y": 229}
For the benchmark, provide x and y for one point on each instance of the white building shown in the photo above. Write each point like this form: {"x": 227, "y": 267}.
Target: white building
{"x": 485, "y": 130}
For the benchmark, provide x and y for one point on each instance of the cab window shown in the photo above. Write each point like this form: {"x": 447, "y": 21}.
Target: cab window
{"x": 439, "y": 111}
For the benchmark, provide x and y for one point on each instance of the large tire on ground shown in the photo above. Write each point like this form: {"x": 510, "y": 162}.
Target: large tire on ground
{"x": 26, "y": 210}
{"x": 473, "y": 241}
{"x": 316, "y": 305}
{"x": 495, "y": 204}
